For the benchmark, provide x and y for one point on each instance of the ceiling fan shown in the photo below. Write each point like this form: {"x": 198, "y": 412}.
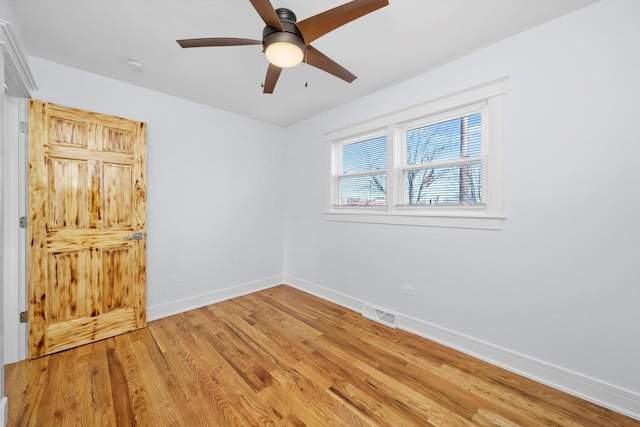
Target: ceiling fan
{"x": 286, "y": 43}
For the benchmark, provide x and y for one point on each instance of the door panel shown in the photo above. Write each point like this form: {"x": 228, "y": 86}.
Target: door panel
{"x": 117, "y": 265}
{"x": 117, "y": 141}
{"x": 67, "y": 194}
{"x": 118, "y": 192}
{"x": 67, "y": 285}
{"x": 68, "y": 132}
{"x": 86, "y": 195}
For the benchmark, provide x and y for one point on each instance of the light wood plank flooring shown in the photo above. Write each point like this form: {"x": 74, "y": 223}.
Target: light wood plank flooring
{"x": 280, "y": 357}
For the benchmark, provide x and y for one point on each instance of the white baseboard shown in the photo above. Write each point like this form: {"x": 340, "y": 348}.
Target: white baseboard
{"x": 598, "y": 392}
{"x": 595, "y": 391}
{"x": 4, "y": 410}
{"x": 191, "y": 303}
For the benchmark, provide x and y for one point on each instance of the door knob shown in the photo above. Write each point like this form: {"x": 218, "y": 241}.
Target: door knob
{"x": 134, "y": 236}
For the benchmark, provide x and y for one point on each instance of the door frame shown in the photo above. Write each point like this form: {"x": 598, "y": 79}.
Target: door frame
{"x": 14, "y": 259}
{"x": 19, "y": 83}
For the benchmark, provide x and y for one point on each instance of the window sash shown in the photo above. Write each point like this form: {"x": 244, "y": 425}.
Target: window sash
{"x": 478, "y": 135}
{"x": 443, "y": 192}
{"x": 362, "y": 191}
{"x": 377, "y": 141}
{"x": 375, "y": 151}
{"x": 441, "y": 139}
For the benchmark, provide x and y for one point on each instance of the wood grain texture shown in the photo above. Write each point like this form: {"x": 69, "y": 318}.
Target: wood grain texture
{"x": 317, "y": 59}
{"x": 87, "y": 190}
{"x": 37, "y": 258}
{"x": 318, "y": 25}
{"x": 280, "y": 357}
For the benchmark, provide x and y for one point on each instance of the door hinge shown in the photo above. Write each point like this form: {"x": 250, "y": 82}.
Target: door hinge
{"x": 24, "y": 317}
{"x": 23, "y": 222}
{"x": 23, "y": 127}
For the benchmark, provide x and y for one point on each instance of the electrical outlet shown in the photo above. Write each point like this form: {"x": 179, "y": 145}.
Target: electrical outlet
{"x": 407, "y": 289}
{"x": 175, "y": 279}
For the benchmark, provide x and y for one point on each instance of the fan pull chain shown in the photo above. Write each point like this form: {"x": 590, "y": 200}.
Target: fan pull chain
{"x": 306, "y": 70}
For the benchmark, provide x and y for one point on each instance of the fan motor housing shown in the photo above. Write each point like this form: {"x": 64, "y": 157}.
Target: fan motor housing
{"x": 286, "y": 15}
{"x": 291, "y": 33}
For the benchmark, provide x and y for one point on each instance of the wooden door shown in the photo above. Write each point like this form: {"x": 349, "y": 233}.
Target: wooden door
{"x": 86, "y": 198}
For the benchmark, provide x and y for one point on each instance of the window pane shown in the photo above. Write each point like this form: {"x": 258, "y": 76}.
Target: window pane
{"x": 365, "y": 155}
{"x": 363, "y": 190}
{"x": 453, "y": 139}
{"x": 444, "y": 186}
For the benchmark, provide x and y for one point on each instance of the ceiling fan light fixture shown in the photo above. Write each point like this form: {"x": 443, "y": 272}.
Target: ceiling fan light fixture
{"x": 285, "y": 42}
{"x": 284, "y": 49}
{"x": 284, "y": 54}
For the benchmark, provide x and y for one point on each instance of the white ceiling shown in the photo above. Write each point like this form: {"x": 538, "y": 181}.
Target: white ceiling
{"x": 400, "y": 41}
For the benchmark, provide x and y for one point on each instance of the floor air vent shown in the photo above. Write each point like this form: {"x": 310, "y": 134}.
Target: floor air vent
{"x": 379, "y": 315}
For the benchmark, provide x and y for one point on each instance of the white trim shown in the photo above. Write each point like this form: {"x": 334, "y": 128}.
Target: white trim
{"x": 485, "y": 98}
{"x": 3, "y": 248}
{"x": 3, "y": 285}
{"x": 23, "y": 330}
{"x": 450, "y": 221}
{"x": 601, "y": 393}
{"x": 11, "y": 232}
{"x": 441, "y": 104}
{"x": 4, "y": 410}
{"x": 330, "y": 295}
{"x": 202, "y": 300}
{"x": 21, "y": 81}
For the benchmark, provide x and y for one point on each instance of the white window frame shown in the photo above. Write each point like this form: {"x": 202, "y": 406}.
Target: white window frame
{"x": 337, "y": 162}
{"x": 487, "y": 98}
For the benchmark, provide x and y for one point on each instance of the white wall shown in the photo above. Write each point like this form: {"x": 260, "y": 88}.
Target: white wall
{"x": 215, "y": 199}
{"x": 560, "y": 282}
{"x": 2, "y": 231}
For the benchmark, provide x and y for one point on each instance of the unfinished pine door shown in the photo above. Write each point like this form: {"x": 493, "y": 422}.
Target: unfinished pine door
{"x": 86, "y": 277}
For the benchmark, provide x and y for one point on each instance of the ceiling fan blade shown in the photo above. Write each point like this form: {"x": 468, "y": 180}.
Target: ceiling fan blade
{"x": 323, "y": 62}
{"x": 217, "y": 41}
{"x": 267, "y": 13}
{"x": 273, "y": 73}
{"x": 322, "y": 23}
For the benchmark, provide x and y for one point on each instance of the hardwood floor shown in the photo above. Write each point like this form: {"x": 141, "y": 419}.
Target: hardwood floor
{"x": 280, "y": 357}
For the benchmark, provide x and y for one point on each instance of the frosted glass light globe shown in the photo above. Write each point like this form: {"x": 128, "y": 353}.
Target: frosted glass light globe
{"x": 284, "y": 54}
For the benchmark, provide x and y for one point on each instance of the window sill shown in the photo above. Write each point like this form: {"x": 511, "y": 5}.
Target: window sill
{"x": 483, "y": 222}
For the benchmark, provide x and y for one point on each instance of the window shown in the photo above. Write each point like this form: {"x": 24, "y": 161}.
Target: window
{"x": 362, "y": 177}
{"x": 442, "y": 163}
{"x": 435, "y": 164}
